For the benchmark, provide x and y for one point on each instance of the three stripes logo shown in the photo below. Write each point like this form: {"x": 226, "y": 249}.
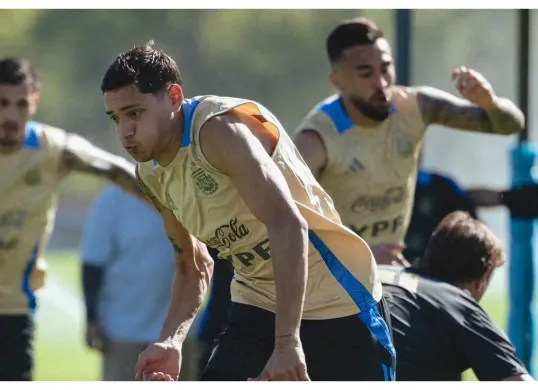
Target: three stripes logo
{"x": 355, "y": 166}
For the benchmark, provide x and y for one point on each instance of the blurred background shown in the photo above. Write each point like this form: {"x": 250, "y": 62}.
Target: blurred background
{"x": 276, "y": 57}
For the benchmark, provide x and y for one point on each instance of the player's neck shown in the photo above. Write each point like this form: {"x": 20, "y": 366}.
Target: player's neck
{"x": 357, "y": 117}
{"x": 170, "y": 145}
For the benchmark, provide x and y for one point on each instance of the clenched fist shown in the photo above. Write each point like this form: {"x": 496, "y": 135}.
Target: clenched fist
{"x": 474, "y": 87}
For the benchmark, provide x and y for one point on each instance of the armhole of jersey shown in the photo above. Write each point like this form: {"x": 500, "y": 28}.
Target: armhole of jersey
{"x": 328, "y": 135}
{"x": 416, "y": 117}
{"x": 323, "y": 140}
{"x": 140, "y": 170}
{"x": 50, "y": 139}
{"x": 247, "y": 108}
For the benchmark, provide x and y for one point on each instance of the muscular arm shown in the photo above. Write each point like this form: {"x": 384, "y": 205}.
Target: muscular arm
{"x": 231, "y": 146}
{"x": 439, "y": 107}
{"x": 192, "y": 275}
{"x": 80, "y": 155}
{"x": 313, "y": 150}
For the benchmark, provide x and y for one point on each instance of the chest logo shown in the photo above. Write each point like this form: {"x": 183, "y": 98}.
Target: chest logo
{"x": 205, "y": 182}
{"x": 33, "y": 177}
{"x": 376, "y": 203}
{"x": 404, "y": 146}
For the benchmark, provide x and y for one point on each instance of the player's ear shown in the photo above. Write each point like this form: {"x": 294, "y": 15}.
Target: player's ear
{"x": 175, "y": 94}
{"x": 333, "y": 78}
{"x": 34, "y": 102}
{"x": 479, "y": 288}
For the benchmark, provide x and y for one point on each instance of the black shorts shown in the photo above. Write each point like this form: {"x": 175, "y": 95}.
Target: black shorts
{"x": 16, "y": 348}
{"x": 341, "y": 349}
{"x": 214, "y": 317}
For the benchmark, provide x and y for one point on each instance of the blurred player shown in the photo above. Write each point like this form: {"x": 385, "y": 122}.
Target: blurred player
{"x": 33, "y": 159}
{"x": 521, "y": 201}
{"x": 364, "y": 143}
{"x": 436, "y": 196}
{"x": 223, "y": 172}
{"x": 440, "y": 330}
{"x": 124, "y": 247}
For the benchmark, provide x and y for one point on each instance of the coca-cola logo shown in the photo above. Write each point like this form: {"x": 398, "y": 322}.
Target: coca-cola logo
{"x": 226, "y": 235}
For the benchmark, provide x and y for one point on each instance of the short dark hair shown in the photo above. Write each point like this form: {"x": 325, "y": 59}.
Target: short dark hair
{"x": 461, "y": 249}
{"x": 151, "y": 70}
{"x": 349, "y": 33}
{"x": 17, "y": 71}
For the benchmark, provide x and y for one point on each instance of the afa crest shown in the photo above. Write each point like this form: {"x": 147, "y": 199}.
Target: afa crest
{"x": 33, "y": 177}
{"x": 404, "y": 145}
{"x": 205, "y": 182}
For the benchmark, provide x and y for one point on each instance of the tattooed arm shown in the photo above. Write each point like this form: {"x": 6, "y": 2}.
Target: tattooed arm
{"x": 80, "y": 155}
{"x": 439, "y": 107}
{"x": 193, "y": 271}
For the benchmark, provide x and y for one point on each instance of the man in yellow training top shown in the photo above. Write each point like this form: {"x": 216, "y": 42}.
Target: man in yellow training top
{"x": 34, "y": 158}
{"x": 306, "y": 300}
{"x": 364, "y": 143}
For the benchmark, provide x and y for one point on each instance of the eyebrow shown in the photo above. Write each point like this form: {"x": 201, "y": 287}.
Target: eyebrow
{"x": 128, "y": 107}
{"x": 364, "y": 67}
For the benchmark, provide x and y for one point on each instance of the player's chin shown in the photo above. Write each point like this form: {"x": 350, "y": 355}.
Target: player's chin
{"x": 139, "y": 157}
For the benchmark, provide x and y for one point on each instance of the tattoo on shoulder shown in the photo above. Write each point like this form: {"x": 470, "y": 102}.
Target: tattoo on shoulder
{"x": 147, "y": 192}
{"x": 177, "y": 248}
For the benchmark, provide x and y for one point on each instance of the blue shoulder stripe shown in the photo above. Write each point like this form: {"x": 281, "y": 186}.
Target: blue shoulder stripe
{"x": 188, "y": 106}
{"x": 31, "y": 140}
{"x": 335, "y": 110}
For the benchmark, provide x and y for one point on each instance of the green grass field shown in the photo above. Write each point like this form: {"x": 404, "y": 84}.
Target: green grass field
{"x": 61, "y": 354}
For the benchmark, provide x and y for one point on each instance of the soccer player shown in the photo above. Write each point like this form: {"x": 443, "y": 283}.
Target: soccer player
{"x": 439, "y": 328}
{"x": 363, "y": 144}
{"x": 33, "y": 158}
{"x": 224, "y": 173}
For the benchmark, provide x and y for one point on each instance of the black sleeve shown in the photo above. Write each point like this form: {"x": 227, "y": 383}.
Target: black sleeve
{"x": 92, "y": 276}
{"x": 522, "y": 201}
{"x": 485, "y": 347}
{"x": 457, "y": 198}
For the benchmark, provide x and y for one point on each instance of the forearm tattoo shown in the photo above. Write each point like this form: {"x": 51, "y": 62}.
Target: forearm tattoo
{"x": 176, "y": 247}
{"x": 102, "y": 164}
{"x": 442, "y": 108}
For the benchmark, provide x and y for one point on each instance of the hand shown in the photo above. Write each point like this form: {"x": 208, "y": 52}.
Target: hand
{"x": 159, "y": 362}
{"x": 474, "y": 87}
{"x": 287, "y": 363}
{"x": 95, "y": 338}
{"x": 389, "y": 254}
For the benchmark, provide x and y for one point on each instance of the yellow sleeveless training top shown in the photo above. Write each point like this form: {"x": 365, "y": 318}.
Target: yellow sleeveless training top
{"x": 29, "y": 181}
{"x": 342, "y": 276}
{"x": 371, "y": 172}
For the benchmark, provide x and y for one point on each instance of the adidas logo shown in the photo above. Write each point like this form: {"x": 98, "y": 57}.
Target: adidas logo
{"x": 355, "y": 166}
